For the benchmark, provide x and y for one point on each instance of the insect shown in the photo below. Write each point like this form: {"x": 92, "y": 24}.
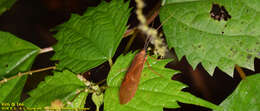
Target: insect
{"x": 129, "y": 85}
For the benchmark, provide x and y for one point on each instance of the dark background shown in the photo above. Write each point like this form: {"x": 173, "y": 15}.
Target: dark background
{"x": 31, "y": 20}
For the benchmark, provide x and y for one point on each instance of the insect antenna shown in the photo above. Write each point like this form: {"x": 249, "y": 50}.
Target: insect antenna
{"x": 149, "y": 38}
{"x": 147, "y": 41}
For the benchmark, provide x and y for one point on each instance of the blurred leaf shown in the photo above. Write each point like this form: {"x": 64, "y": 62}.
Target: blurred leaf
{"x": 62, "y": 85}
{"x": 87, "y": 41}
{"x": 192, "y": 32}
{"x": 246, "y": 96}
{"x": 5, "y": 5}
{"x": 154, "y": 92}
{"x": 16, "y": 55}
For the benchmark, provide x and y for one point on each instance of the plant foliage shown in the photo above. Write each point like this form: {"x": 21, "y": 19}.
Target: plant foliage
{"x": 5, "y": 5}
{"x": 62, "y": 86}
{"x": 87, "y": 41}
{"x": 245, "y": 97}
{"x": 193, "y": 33}
{"x": 154, "y": 92}
{"x": 16, "y": 55}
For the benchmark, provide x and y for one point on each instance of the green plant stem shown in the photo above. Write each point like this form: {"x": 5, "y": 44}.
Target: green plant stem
{"x": 26, "y": 73}
{"x": 100, "y": 82}
{"x": 110, "y": 61}
{"x": 130, "y": 42}
{"x": 102, "y": 88}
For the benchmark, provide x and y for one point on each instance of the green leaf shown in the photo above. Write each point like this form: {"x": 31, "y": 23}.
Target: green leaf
{"x": 154, "y": 92}
{"x": 192, "y": 32}
{"x": 98, "y": 100}
{"x": 62, "y": 85}
{"x": 87, "y": 41}
{"x": 79, "y": 101}
{"x": 246, "y": 96}
{"x": 16, "y": 55}
{"x": 12, "y": 90}
{"x": 5, "y": 5}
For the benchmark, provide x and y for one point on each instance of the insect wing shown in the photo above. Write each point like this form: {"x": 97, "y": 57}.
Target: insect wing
{"x": 130, "y": 83}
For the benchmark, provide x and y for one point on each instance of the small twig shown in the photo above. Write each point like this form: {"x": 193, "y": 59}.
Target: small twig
{"x": 129, "y": 32}
{"x": 128, "y": 45}
{"x": 100, "y": 82}
{"x": 241, "y": 72}
{"x": 91, "y": 87}
{"x": 26, "y": 73}
{"x": 45, "y": 50}
{"x": 104, "y": 87}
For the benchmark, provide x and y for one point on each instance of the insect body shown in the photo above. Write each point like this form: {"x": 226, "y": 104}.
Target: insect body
{"x": 130, "y": 83}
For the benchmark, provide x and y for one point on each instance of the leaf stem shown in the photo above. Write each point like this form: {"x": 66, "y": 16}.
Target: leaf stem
{"x": 110, "y": 61}
{"x": 45, "y": 50}
{"x": 241, "y": 72}
{"x": 104, "y": 87}
{"x": 26, "y": 73}
{"x": 100, "y": 82}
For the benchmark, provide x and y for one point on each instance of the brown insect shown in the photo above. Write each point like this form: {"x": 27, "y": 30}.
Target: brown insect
{"x": 130, "y": 83}
{"x": 132, "y": 78}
